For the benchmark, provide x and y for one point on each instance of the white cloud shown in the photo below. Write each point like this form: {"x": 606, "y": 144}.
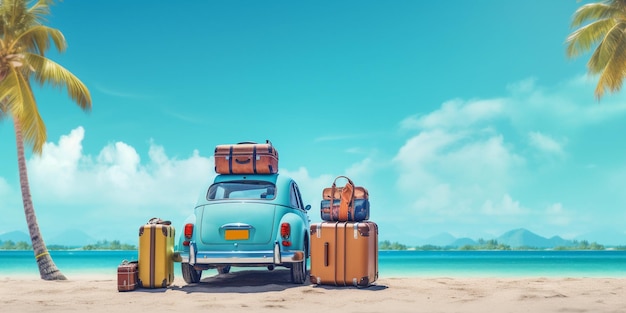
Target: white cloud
{"x": 545, "y": 143}
{"x": 449, "y": 174}
{"x": 565, "y": 106}
{"x": 438, "y": 198}
{"x": 116, "y": 176}
{"x": 555, "y": 214}
{"x": 116, "y": 182}
{"x": 363, "y": 169}
{"x": 506, "y": 207}
{"x": 435, "y": 156}
{"x": 459, "y": 161}
{"x": 457, "y": 114}
{"x": 467, "y": 153}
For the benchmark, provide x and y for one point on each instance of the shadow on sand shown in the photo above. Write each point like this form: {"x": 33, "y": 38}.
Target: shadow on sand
{"x": 244, "y": 281}
{"x": 250, "y": 281}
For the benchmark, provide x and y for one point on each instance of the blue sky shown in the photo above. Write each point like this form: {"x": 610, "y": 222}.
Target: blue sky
{"x": 462, "y": 117}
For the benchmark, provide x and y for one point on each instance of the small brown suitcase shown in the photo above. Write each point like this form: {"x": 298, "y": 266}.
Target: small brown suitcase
{"x": 344, "y": 253}
{"x": 127, "y": 276}
{"x": 246, "y": 158}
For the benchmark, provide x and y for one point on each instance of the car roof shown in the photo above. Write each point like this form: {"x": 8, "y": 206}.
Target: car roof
{"x": 282, "y": 182}
{"x": 266, "y": 177}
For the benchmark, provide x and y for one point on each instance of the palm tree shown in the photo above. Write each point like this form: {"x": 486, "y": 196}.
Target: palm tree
{"x": 23, "y": 43}
{"x": 606, "y": 28}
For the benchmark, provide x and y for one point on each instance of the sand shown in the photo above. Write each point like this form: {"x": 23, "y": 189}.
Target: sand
{"x": 264, "y": 291}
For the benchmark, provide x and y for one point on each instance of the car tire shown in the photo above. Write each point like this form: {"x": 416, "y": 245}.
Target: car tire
{"x": 190, "y": 274}
{"x": 298, "y": 270}
{"x": 223, "y": 269}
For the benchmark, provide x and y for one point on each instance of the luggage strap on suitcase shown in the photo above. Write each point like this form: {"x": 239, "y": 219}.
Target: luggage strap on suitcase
{"x": 254, "y": 155}
{"x": 346, "y": 199}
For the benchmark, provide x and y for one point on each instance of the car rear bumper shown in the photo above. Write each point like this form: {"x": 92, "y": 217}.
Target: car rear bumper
{"x": 263, "y": 257}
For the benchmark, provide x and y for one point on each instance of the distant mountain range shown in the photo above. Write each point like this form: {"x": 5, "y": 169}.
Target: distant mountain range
{"x": 68, "y": 238}
{"x": 15, "y": 236}
{"x": 524, "y": 238}
{"x": 514, "y": 238}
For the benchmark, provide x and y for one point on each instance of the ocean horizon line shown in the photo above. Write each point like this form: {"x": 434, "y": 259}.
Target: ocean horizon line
{"x": 391, "y": 263}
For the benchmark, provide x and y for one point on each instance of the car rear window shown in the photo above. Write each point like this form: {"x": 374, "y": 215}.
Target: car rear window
{"x": 244, "y": 189}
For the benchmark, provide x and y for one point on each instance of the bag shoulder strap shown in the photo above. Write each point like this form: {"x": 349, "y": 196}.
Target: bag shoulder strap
{"x": 346, "y": 198}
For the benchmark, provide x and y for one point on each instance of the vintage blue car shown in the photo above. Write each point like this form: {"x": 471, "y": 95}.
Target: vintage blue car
{"x": 246, "y": 220}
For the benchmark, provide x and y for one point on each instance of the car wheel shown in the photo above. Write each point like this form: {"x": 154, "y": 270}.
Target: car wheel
{"x": 223, "y": 269}
{"x": 298, "y": 270}
{"x": 190, "y": 274}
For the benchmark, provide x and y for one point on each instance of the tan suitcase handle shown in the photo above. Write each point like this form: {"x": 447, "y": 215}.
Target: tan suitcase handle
{"x": 326, "y": 254}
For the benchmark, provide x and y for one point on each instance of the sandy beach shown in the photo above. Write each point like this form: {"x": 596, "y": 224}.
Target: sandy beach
{"x": 266, "y": 291}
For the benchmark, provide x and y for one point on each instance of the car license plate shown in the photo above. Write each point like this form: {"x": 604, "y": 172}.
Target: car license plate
{"x": 236, "y": 234}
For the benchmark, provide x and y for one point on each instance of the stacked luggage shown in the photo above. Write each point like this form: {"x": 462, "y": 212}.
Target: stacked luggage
{"x": 155, "y": 265}
{"x": 344, "y": 246}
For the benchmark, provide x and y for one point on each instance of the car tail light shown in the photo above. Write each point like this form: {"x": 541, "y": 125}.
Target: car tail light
{"x": 285, "y": 232}
{"x": 187, "y": 232}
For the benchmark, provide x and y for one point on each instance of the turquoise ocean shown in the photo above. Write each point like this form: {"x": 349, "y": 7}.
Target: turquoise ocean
{"x": 391, "y": 263}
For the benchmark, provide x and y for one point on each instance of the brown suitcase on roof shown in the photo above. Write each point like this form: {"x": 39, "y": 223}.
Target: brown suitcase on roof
{"x": 246, "y": 158}
{"x": 344, "y": 253}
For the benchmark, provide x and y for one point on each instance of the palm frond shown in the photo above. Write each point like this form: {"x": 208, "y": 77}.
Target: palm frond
{"x": 18, "y": 101}
{"x": 606, "y": 48}
{"x": 593, "y": 11}
{"x": 33, "y": 127}
{"x": 36, "y": 39}
{"x": 15, "y": 17}
{"x": 11, "y": 96}
{"x": 612, "y": 76}
{"x": 584, "y": 38}
{"x": 8, "y": 94}
{"x": 40, "y": 10}
{"x": 47, "y": 71}
{"x": 23, "y": 35}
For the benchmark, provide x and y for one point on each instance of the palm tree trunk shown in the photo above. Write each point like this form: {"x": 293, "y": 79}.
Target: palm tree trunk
{"x": 47, "y": 269}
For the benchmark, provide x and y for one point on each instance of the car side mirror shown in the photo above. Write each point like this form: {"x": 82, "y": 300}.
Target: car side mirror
{"x": 307, "y": 207}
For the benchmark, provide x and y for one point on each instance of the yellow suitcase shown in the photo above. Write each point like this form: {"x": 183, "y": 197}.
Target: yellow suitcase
{"x": 156, "y": 248}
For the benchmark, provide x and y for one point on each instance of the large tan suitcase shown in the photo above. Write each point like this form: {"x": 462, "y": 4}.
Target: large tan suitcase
{"x": 156, "y": 250}
{"x": 344, "y": 253}
{"x": 246, "y": 158}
